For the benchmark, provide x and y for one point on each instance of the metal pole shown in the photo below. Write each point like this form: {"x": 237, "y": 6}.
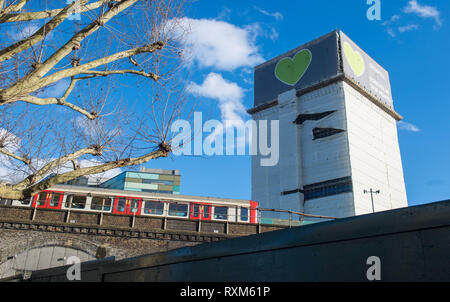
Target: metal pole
{"x": 35, "y": 207}
{"x": 371, "y": 197}
{"x": 134, "y": 213}
{"x": 200, "y": 210}
{"x": 103, "y": 208}
{"x": 259, "y": 220}
{"x": 70, "y": 207}
{"x": 165, "y": 212}
{"x": 290, "y": 219}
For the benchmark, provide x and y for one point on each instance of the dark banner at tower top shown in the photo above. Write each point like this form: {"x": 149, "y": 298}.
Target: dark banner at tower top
{"x": 316, "y": 62}
{"x": 364, "y": 70}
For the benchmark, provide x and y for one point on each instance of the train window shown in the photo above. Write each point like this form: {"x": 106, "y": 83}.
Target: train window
{"x": 41, "y": 198}
{"x": 54, "y": 200}
{"x": 25, "y": 201}
{"x": 121, "y": 202}
{"x": 180, "y": 210}
{"x": 78, "y": 201}
{"x": 206, "y": 210}
{"x": 153, "y": 207}
{"x": 195, "y": 210}
{"x": 134, "y": 205}
{"x": 220, "y": 212}
{"x": 98, "y": 201}
{"x": 5, "y": 202}
{"x": 244, "y": 214}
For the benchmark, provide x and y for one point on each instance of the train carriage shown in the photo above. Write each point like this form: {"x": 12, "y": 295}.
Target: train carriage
{"x": 120, "y": 202}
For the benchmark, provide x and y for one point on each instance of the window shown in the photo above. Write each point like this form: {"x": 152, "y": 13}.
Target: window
{"x": 195, "y": 210}
{"x": 78, "y": 201}
{"x": 157, "y": 191}
{"x": 25, "y": 201}
{"x": 54, "y": 200}
{"x": 154, "y": 208}
{"x": 220, "y": 212}
{"x": 206, "y": 210}
{"x": 325, "y": 132}
{"x": 41, "y": 198}
{"x": 121, "y": 202}
{"x": 134, "y": 205}
{"x": 328, "y": 188}
{"x": 5, "y": 202}
{"x": 244, "y": 214}
{"x": 98, "y": 201}
{"x": 314, "y": 117}
{"x": 158, "y": 181}
{"x": 179, "y": 210}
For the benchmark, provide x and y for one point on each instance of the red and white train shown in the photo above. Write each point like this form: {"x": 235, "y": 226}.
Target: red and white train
{"x": 93, "y": 199}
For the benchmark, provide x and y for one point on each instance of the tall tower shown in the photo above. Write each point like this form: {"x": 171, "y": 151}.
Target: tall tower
{"x": 337, "y": 131}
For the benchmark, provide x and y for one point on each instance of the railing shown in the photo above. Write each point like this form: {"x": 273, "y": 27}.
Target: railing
{"x": 301, "y": 216}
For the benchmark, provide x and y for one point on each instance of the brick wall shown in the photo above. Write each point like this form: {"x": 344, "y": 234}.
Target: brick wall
{"x": 122, "y": 236}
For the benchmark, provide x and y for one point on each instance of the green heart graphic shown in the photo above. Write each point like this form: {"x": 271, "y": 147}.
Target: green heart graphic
{"x": 355, "y": 60}
{"x": 290, "y": 71}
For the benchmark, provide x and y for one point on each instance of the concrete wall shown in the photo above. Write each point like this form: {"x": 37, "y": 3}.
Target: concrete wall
{"x": 413, "y": 244}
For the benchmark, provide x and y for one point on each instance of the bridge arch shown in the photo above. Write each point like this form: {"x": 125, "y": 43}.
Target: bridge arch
{"x": 25, "y": 255}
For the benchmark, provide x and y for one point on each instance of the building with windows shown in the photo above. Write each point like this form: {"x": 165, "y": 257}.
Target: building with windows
{"x": 337, "y": 131}
{"x": 146, "y": 180}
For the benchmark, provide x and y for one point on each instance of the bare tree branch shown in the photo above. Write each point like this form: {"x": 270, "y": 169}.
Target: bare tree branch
{"x": 58, "y": 101}
{"x": 28, "y": 16}
{"x": 21, "y": 88}
{"x": 41, "y": 173}
{"x": 15, "y": 156}
{"x": 75, "y": 41}
{"x": 12, "y": 7}
{"x": 18, "y": 192}
{"x": 8, "y": 52}
{"x": 113, "y": 121}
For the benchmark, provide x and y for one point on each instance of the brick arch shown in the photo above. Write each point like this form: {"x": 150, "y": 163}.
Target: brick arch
{"x": 25, "y": 244}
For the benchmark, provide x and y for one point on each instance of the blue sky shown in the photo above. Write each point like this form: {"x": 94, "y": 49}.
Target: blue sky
{"x": 228, "y": 38}
{"x": 411, "y": 42}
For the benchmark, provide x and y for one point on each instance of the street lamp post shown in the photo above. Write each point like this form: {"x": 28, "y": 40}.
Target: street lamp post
{"x": 371, "y": 196}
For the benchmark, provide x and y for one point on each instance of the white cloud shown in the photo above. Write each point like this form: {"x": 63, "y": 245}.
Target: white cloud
{"x": 277, "y": 15}
{"x": 407, "y": 126}
{"x": 9, "y": 141}
{"x": 409, "y": 27}
{"x": 230, "y": 97}
{"x": 256, "y": 29}
{"x": 224, "y": 13}
{"x": 219, "y": 44}
{"x": 423, "y": 11}
{"x": 393, "y": 19}
{"x": 391, "y": 32}
{"x": 227, "y": 93}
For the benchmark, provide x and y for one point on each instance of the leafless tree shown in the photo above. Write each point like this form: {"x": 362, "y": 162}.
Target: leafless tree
{"x": 85, "y": 87}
